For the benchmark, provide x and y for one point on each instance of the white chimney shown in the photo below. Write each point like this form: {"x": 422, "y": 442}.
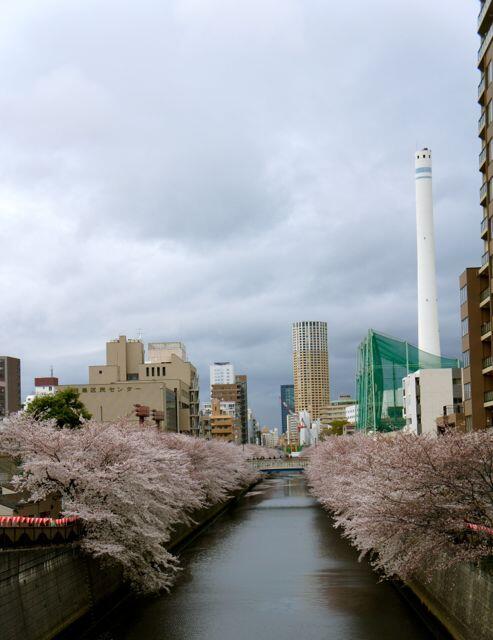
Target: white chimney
{"x": 428, "y": 330}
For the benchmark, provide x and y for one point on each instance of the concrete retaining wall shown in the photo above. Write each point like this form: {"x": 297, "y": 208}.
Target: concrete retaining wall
{"x": 45, "y": 590}
{"x": 462, "y": 600}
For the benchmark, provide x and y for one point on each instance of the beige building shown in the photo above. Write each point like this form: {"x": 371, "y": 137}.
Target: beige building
{"x": 336, "y": 410}
{"x": 169, "y": 385}
{"x": 222, "y": 425}
{"x": 310, "y": 367}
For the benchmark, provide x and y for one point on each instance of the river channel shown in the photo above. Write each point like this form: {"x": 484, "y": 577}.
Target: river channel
{"x": 271, "y": 568}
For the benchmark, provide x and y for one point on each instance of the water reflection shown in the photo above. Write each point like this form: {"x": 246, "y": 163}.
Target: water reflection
{"x": 271, "y": 568}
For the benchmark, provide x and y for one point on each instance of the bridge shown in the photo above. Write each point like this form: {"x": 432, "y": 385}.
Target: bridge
{"x": 278, "y": 465}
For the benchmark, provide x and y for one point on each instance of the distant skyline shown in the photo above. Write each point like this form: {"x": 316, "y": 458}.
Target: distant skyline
{"x": 211, "y": 172}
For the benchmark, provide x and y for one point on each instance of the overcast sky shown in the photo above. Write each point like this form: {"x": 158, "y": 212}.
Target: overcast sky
{"x": 212, "y": 170}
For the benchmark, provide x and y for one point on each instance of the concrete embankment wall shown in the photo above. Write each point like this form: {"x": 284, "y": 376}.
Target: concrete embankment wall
{"x": 461, "y": 598}
{"x": 45, "y": 590}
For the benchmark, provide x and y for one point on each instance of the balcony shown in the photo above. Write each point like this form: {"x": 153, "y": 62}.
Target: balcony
{"x": 485, "y": 329}
{"x": 485, "y": 9}
{"x": 482, "y": 157}
{"x": 482, "y": 123}
{"x": 485, "y": 258}
{"x": 487, "y": 364}
{"x": 481, "y": 88}
{"x": 488, "y": 398}
{"x": 483, "y": 192}
{"x": 484, "y": 227}
{"x": 486, "y": 41}
{"x": 484, "y": 297}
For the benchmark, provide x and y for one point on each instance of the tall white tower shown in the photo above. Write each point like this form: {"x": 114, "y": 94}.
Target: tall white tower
{"x": 428, "y": 330}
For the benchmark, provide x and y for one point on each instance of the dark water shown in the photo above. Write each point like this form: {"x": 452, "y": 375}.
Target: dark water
{"x": 271, "y": 568}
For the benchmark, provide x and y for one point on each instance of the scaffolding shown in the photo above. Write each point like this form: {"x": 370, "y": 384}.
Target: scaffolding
{"x": 382, "y": 364}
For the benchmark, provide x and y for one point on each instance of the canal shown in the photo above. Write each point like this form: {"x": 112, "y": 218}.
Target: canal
{"x": 271, "y": 568}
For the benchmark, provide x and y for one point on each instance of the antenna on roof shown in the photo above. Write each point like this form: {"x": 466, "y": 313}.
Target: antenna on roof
{"x": 51, "y": 371}
{"x": 139, "y": 334}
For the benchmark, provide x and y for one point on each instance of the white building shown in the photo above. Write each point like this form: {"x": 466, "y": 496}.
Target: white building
{"x": 43, "y": 387}
{"x": 222, "y": 373}
{"x": 270, "y": 438}
{"x": 352, "y": 413}
{"x": 226, "y": 407}
{"x": 292, "y": 432}
{"x": 426, "y": 392}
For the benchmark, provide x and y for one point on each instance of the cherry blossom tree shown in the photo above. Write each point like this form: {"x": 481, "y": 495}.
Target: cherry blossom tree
{"x": 409, "y": 501}
{"x": 130, "y": 485}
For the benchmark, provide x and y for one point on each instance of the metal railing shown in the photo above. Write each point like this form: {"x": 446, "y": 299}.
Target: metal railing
{"x": 484, "y": 258}
{"x": 484, "y": 225}
{"x": 483, "y": 12}
{"x": 483, "y": 192}
{"x": 481, "y": 87}
{"x": 485, "y": 293}
{"x": 482, "y": 122}
{"x": 488, "y": 396}
{"x": 487, "y": 362}
{"x": 485, "y": 328}
{"x": 485, "y": 43}
{"x": 450, "y": 409}
{"x": 482, "y": 156}
{"x": 279, "y": 463}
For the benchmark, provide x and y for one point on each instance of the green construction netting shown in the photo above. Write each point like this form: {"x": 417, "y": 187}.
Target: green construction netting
{"x": 382, "y": 364}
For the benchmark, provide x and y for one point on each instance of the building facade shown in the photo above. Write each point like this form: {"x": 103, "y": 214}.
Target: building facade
{"x": 287, "y": 404}
{"x": 10, "y": 385}
{"x": 127, "y": 379}
{"x": 426, "y": 392}
{"x": 476, "y": 282}
{"x": 336, "y": 410}
{"x": 310, "y": 367}
{"x": 221, "y": 373}
{"x": 237, "y": 393}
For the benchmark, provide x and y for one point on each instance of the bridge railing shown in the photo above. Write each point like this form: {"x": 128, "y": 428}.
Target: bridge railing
{"x": 26, "y": 531}
{"x": 280, "y": 463}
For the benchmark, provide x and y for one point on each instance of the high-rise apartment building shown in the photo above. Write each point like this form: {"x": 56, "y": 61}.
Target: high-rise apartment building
{"x": 310, "y": 367}
{"x": 287, "y": 405}
{"x": 476, "y": 282}
{"x": 10, "y": 385}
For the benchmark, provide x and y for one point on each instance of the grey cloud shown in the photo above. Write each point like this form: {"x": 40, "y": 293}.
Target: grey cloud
{"x": 212, "y": 171}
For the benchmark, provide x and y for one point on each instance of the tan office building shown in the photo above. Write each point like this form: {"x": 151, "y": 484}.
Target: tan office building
{"x": 236, "y": 392}
{"x": 170, "y": 386}
{"x": 310, "y": 367}
{"x": 223, "y": 426}
{"x": 336, "y": 410}
{"x": 10, "y": 385}
{"x": 476, "y": 282}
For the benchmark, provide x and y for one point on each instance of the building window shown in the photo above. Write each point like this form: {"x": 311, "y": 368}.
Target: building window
{"x": 463, "y": 294}
{"x": 467, "y": 391}
{"x": 152, "y": 368}
{"x": 490, "y": 189}
{"x": 489, "y": 117}
{"x": 158, "y": 371}
{"x": 132, "y": 376}
{"x": 465, "y": 326}
{"x": 466, "y": 359}
{"x": 147, "y": 371}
